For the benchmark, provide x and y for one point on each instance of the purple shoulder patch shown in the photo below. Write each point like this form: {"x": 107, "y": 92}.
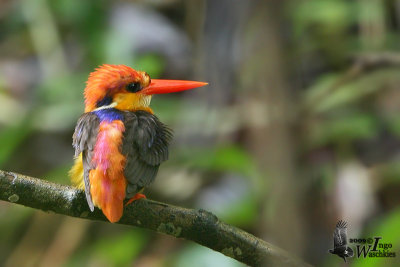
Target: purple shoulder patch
{"x": 109, "y": 114}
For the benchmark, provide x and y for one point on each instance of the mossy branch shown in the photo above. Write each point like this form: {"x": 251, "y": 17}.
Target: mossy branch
{"x": 199, "y": 226}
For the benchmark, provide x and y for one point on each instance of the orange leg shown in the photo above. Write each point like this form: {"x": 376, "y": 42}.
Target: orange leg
{"x": 135, "y": 197}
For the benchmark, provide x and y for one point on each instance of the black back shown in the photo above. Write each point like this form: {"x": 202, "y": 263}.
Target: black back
{"x": 145, "y": 146}
{"x": 340, "y": 235}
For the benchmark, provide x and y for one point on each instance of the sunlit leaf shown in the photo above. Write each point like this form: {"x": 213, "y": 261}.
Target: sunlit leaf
{"x": 204, "y": 257}
{"x": 122, "y": 249}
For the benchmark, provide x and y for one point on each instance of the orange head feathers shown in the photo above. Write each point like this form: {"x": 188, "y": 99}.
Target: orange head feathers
{"x": 127, "y": 89}
{"x": 108, "y": 80}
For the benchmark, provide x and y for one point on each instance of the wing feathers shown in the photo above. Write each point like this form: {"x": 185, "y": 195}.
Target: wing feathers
{"x": 146, "y": 142}
{"x": 340, "y": 234}
{"x": 84, "y": 140}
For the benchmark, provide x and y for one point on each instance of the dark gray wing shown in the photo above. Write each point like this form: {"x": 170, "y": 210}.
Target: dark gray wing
{"x": 84, "y": 140}
{"x": 340, "y": 234}
{"x": 145, "y": 146}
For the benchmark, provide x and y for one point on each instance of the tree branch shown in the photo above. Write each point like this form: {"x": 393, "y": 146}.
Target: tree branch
{"x": 199, "y": 226}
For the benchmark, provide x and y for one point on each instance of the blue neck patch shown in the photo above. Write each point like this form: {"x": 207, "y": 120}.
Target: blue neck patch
{"x": 107, "y": 100}
{"x": 109, "y": 114}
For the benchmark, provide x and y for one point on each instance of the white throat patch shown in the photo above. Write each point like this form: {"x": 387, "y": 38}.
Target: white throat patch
{"x": 113, "y": 104}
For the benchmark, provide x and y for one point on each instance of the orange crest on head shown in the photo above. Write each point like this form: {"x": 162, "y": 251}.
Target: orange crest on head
{"x": 106, "y": 80}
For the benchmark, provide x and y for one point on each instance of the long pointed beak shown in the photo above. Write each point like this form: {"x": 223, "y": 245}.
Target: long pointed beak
{"x": 158, "y": 86}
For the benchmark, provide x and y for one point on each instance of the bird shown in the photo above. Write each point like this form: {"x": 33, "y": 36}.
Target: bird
{"x": 119, "y": 142}
{"x": 340, "y": 247}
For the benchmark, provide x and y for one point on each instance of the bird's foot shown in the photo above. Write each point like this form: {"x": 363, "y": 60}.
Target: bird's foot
{"x": 135, "y": 197}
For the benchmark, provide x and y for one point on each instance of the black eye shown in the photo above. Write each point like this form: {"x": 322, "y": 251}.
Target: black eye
{"x": 134, "y": 87}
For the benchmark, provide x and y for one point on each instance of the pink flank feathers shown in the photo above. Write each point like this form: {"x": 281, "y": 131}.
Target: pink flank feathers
{"x": 107, "y": 181}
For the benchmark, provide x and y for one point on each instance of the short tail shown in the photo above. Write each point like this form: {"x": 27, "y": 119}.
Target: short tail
{"x": 108, "y": 194}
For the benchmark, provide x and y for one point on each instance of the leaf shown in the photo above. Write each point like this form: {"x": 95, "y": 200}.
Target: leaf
{"x": 225, "y": 158}
{"x": 11, "y": 138}
{"x": 204, "y": 257}
{"x": 122, "y": 249}
{"x": 350, "y": 92}
{"x": 348, "y": 127}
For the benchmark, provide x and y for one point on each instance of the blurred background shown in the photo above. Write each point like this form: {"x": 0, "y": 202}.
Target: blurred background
{"x": 299, "y": 127}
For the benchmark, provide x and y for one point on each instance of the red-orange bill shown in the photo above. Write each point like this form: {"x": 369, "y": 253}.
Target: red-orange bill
{"x": 158, "y": 86}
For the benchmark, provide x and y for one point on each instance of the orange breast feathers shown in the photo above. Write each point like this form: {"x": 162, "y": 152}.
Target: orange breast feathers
{"x": 107, "y": 181}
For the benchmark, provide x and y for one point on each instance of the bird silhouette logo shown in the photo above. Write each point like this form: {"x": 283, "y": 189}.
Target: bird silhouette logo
{"x": 340, "y": 247}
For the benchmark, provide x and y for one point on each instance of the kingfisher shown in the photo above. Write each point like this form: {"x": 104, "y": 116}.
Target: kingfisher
{"x": 119, "y": 143}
